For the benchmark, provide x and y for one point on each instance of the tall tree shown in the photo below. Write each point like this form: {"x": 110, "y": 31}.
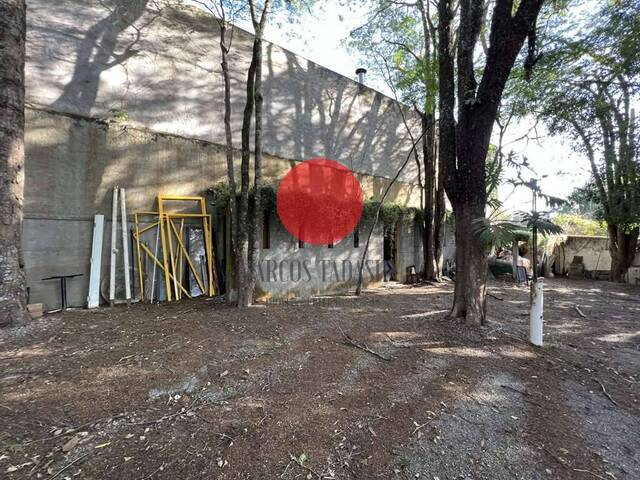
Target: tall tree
{"x": 586, "y": 86}
{"x": 13, "y": 288}
{"x": 464, "y": 144}
{"x": 246, "y": 221}
{"x": 254, "y": 102}
{"x": 224, "y": 15}
{"x": 398, "y": 40}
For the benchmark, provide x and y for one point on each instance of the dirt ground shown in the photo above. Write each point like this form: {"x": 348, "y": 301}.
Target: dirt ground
{"x": 197, "y": 389}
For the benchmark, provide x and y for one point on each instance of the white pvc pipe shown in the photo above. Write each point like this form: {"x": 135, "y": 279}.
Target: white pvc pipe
{"x": 114, "y": 250}
{"x": 125, "y": 245}
{"x": 536, "y": 316}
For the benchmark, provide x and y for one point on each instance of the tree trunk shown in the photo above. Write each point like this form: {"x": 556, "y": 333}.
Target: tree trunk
{"x": 439, "y": 221}
{"x": 464, "y": 150}
{"x": 622, "y": 247}
{"x": 476, "y": 282}
{"x": 256, "y": 213}
{"x": 233, "y": 199}
{"x": 13, "y": 288}
{"x": 245, "y": 293}
{"x": 459, "y": 308}
{"x": 430, "y": 267}
{"x": 471, "y": 266}
{"x": 249, "y": 220}
{"x": 447, "y": 139}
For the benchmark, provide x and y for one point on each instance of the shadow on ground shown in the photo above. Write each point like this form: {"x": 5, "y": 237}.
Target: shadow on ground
{"x": 199, "y": 390}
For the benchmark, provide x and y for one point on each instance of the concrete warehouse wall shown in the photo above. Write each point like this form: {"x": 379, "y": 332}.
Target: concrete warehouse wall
{"x": 72, "y": 164}
{"x": 160, "y": 67}
{"x": 129, "y": 93}
{"x": 288, "y": 271}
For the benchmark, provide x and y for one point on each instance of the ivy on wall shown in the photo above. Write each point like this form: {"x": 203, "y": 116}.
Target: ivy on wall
{"x": 390, "y": 213}
{"x": 220, "y": 194}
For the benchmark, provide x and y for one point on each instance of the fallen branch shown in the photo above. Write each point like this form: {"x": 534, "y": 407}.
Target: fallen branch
{"x": 70, "y": 431}
{"x": 302, "y": 465}
{"x": 606, "y": 394}
{"x": 285, "y": 469}
{"x": 524, "y": 393}
{"x": 362, "y": 346}
{"x": 569, "y": 467}
{"x": 171, "y": 415}
{"x": 420, "y": 427}
{"x": 494, "y": 296}
{"x": 579, "y": 311}
{"x": 71, "y": 464}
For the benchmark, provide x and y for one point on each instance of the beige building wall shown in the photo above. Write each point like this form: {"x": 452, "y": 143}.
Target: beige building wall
{"x": 159, "y": 66}
{"x": 129, "y": 93}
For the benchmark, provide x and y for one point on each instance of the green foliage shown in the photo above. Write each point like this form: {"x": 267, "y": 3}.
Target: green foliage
{"x": 585, "y": 202}
{"x": 576, "y": 224}
{"x": 541, "y": 222}
{"x": 268, "y": 198}
{"x": 302, "y": 458}
{"x": 390, "y": 213}
{"x": 585, "y": 86}
{"x": 392, "y": 41}
{"x": 238, "y": 11}
{"x": 220, "y": 195}
{"x": 117, "y": 115}
{"x": 493, "y": 232}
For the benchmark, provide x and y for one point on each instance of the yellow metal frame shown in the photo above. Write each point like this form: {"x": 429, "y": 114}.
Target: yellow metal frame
{"x": 173, "y": 247}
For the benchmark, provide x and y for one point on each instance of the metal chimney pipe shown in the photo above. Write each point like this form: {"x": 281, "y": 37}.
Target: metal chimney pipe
{"x": 360, "y": 73}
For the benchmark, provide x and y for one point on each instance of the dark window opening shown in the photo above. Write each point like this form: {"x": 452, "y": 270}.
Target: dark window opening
{"x": 266, "y": 231}
{"x": 300, "y": 244}
{"x": 356, "y": 237}
{"x": 330, "y": 245}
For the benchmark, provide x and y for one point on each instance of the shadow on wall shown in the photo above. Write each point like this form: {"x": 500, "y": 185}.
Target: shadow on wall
{"x": 96, "y": 52}
{"x": 160, "y": 68}
{"x": 333, "y": 117}
{"x": 63, "y": 174}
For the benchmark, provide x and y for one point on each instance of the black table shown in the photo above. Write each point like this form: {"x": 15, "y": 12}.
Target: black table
{"x": 63, "y": 286}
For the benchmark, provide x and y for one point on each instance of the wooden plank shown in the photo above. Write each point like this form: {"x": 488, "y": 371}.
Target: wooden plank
{"x": 188, "y": 258}
{"x": 136, "y": 235}
{"x": 163, "y": 242}
{"x": 93, "y": 298}
{"x": 36, "y": 310}
{"x": 157, "y": 262}
{"x": 171, "y": 257}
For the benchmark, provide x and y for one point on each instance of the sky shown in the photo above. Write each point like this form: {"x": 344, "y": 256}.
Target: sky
{"x": 319, "y": 35}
